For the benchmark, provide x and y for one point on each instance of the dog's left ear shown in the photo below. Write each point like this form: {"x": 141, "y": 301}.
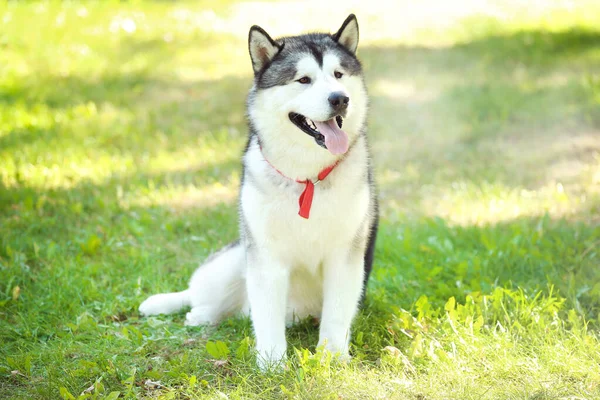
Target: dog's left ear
{"x": 347, "y": 35}
{"x": 262, "y": 48}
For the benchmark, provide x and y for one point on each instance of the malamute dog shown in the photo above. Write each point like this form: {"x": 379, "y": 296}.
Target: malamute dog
{"x": 308, "y": 208}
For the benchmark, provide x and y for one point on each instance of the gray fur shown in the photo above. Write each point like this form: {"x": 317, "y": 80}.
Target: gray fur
{"x": 282, "y": 68}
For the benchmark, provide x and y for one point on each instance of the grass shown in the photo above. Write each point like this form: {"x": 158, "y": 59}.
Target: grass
{"x": 121, "y": 126}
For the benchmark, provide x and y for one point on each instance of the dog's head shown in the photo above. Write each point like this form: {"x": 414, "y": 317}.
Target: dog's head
{"x": 308, "y": 88}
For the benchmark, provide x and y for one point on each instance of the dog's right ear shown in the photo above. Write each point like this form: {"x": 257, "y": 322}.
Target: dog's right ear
{"x": 262, "y": 48}
{"x": 347, "y": 35}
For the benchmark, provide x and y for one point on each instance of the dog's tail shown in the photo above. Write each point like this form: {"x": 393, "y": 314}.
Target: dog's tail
{"x": 165, "y": 303}
{"x": 217, "y": 289}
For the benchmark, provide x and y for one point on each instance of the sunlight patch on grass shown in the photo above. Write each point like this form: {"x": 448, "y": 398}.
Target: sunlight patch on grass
{"x": 181, "y": 198}
{"x": 467, "y": 204}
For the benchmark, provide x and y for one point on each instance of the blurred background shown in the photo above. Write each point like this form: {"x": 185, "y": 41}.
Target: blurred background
{"x": 480, "y": 110}
{"x": 121, "y": 130}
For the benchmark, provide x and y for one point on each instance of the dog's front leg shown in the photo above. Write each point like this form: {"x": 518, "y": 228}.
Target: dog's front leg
{"x": 267, "y": 284}
{"x": 342, "y": 286}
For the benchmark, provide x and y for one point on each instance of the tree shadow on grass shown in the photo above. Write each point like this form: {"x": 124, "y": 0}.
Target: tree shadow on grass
{"x": 539, "y": 52}
{"x": 491, "y": 110}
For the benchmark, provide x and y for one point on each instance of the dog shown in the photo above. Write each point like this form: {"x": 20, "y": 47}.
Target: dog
{"x": 308, "y": 211}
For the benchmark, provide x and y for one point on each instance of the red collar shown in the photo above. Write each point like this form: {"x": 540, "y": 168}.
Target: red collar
{"x": 306, "y": 198}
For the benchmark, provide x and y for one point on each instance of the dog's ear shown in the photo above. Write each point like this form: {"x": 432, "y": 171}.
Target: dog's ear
{"x": 262, "y": 48}
{"x": 347, "y": 35}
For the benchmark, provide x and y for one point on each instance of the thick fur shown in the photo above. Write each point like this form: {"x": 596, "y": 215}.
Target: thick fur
{"x": 286, "y": 267}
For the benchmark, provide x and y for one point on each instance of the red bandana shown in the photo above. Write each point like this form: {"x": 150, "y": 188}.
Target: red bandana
{"x": 306, "y": 198}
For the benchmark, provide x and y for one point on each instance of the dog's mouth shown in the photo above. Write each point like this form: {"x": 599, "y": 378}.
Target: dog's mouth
{"x": 327, "y": 134}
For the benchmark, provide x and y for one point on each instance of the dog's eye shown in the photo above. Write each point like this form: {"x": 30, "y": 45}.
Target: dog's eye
{"x": 304, "y": 80}
{"x": 338, "y": 74}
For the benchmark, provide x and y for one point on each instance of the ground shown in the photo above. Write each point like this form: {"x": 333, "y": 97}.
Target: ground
{"x": 121, "y": 127}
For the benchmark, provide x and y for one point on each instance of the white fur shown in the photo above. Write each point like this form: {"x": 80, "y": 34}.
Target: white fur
{"x": 261, "y": 48}
{"x": 215, "y": 291}
{"x": 320, "y": 249}
{"x": 287, "y": 267}
{"x": 292, "y": 151}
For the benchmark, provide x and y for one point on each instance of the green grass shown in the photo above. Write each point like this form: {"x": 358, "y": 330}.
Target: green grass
{"x": 121, "y": 126}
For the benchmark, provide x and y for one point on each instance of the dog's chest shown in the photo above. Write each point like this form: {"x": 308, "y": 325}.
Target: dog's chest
{"x": 339, "y": 210}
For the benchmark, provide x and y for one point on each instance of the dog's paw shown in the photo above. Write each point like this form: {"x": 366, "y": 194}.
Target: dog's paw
{"x": 153, "y": 305}
{"x": 344, "y": 358}
{"x": 269, "y": 362}
{"x": 199, "y": 316}
{"x": 338, "y": 352}
{"x": 335, "y": 356}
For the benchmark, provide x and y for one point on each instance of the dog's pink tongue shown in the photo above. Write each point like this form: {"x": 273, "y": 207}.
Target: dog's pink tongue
{"x": 336, "y": 139}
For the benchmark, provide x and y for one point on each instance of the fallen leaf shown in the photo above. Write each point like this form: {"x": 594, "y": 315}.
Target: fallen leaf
{"x": 119, "y": 317}
{"x": 219, "y": 363}
{"x": 88, "y": 390}
{"x": 150, "y": 384}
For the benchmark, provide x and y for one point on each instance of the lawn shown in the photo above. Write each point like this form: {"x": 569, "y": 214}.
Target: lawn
{"x": 121, "y": 129}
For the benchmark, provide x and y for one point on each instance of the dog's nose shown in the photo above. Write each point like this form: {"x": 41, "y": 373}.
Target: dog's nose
{"x": 339, "y": 101}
